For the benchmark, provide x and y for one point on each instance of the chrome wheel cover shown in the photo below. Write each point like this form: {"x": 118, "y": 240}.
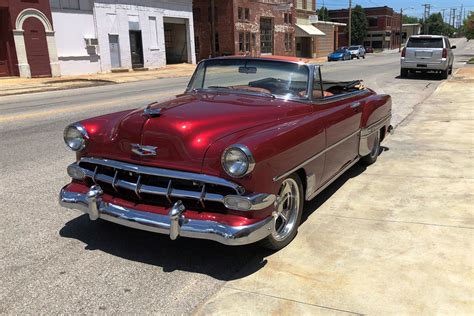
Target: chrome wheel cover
{"x": 287, "y": 209}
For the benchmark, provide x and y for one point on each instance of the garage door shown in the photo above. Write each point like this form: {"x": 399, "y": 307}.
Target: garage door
{"x": 36, "y": 48}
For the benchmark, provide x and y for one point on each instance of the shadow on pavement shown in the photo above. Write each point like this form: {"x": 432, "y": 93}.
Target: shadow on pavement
{"x": 185, "y": 254}
{"x": 421, "y": 76}
{"x": 313, "y": 205}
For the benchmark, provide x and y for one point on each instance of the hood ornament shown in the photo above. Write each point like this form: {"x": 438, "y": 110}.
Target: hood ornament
{"x": 151, "y": 112}
{"x": 143, "y": 150}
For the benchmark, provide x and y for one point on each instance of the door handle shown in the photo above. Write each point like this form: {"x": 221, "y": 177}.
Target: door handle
{"x": 355, "y": 105}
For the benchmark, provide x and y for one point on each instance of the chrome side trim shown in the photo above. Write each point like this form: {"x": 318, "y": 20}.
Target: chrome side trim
{"x": 164, "y": 172}
{"x": 277, "y": 178}
{"x": 325, "y": 185}
{"x": 174, "y": 224}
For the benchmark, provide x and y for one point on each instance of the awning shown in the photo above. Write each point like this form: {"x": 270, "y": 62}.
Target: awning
{"x": 304, "y": 30}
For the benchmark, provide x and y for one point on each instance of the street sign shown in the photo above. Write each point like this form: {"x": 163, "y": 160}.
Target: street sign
{"x": 313, "y": 18}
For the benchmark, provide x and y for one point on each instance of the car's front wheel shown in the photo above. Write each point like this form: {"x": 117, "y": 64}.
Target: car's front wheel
{"x": 289, "y": 209}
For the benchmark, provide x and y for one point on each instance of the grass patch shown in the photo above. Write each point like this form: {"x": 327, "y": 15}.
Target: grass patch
{"x": 471, "y": 61}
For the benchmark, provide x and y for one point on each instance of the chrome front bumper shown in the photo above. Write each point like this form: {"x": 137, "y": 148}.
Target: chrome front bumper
{"x": 174, "y": 224}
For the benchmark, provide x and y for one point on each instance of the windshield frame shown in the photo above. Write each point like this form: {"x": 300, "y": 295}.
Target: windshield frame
{"x": 310, "y": 68}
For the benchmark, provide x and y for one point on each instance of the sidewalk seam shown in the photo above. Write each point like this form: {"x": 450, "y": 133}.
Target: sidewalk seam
{"x": 398, "y": 222}
{"x": 295, "y": 301}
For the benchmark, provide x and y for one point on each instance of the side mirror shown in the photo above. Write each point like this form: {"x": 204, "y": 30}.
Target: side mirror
{"x": 453, "y": 47}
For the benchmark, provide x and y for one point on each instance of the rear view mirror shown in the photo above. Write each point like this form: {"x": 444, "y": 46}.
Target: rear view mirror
{"x": 248, "y": 70}
{"x": 453, "y": 47}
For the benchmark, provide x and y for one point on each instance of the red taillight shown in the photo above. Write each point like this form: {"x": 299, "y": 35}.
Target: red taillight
{"x": 404, "y": 50}
{"x": 445, "y": 53}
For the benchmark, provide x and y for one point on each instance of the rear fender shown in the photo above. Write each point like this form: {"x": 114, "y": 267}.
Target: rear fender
{"x": 376, "y": 115}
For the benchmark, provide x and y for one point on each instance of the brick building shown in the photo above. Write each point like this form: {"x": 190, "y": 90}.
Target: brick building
{"x": 384, "y": 27}
{"x": 244, "y": 27}
{"x": 27, "y": 40}
{"x": 306, "y": 32}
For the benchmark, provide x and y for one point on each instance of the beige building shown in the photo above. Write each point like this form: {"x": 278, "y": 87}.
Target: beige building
{"x": 409, "y": 30}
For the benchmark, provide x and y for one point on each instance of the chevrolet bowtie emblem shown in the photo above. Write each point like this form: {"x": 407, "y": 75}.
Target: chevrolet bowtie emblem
{"x": 142, "y": 150}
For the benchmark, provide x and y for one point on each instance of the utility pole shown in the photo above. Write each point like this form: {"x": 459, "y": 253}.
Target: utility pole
{"x": 426, "y": 14}
{"x": 401, "y": 35}
{"x": 213, "y": 29}
{"x": 350, "y": 22}
{"x": 442, "y": 10}
{"x": 454, "y": 16}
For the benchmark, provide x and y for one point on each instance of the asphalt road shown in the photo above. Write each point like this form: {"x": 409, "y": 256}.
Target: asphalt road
{"x": 56, "y": 261}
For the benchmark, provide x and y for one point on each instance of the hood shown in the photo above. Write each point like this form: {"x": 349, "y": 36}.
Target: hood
{"x": 185, "y": 127}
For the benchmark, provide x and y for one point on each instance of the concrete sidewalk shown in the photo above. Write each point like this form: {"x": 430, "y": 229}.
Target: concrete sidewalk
{"x": 395, "y": 238}
{"x": 15, "y": 85}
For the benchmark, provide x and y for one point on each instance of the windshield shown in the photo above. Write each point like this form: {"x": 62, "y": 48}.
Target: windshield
{"x": 425, "y": 42}
{"x": 255, "y": 76}
{"x": 353, "y": 47}
{"x": 340, "y": 51}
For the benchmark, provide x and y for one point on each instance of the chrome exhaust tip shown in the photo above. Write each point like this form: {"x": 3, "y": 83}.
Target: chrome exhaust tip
{"x": 391, "y": 130}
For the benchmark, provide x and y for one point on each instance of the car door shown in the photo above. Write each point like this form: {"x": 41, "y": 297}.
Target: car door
{"x": 341, "y": 116}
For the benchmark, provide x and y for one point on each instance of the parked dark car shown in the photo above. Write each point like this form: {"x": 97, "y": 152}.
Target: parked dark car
{"x": 369, "y": 50}
{"x": 340, "y": 54}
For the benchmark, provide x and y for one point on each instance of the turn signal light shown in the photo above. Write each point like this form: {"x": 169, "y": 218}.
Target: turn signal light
{"x": 445, "y": 53}
{"x": 404, "y": 50}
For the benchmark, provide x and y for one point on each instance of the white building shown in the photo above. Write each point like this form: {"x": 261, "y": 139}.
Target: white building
{"x": 102, "y": 35}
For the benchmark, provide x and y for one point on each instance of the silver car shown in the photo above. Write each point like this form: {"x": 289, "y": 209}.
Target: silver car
{"x": 357, "y": 51}
{"x": 427, "y": 53}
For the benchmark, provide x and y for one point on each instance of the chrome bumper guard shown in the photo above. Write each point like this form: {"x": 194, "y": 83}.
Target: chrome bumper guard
{"x": 174, "y": 224}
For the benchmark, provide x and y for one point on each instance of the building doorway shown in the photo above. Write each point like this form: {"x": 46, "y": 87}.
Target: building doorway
{"x": 114, "y": 48}
{"x": 176, "y": 41}
{"x": 136, "y": 49}
{"x": 303, "y": 47}
{"x": 36, "y": 48}
{"x": 5, "y": 61}
{"x": 266, "y": 36}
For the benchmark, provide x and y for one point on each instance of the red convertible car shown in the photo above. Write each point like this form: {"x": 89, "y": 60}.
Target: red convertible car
{"x": 232, "y": 159}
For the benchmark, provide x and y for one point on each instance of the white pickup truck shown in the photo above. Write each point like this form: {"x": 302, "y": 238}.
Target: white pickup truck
{"x": 427, "y": 53}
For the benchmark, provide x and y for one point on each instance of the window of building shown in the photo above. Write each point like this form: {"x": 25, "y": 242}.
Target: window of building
{"x": 305, "y": 4}
{"x": 69, "y": 4}
{"x": 197, "y": 46}
{"x": 153, "y": 32}
{"x": 372, "y": 21}
{"x": 244, "y": 42}
{"x": 266, "y": 36}
{"x": 217, "y": 42}
{"x": 288, "y": 41}
{"x": 287, "y": 18}
{"x": 197, "y": 14}
{"x": 243, "y": 14}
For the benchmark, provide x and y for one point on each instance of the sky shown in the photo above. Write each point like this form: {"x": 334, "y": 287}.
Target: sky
{"x": 407, "y": 5}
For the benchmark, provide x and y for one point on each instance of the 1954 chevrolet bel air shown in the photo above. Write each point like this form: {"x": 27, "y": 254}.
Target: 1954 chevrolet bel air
{"x": 233, "y": 158}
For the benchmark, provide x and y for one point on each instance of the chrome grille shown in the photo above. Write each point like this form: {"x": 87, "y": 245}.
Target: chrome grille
{"x": 157, "y": 186}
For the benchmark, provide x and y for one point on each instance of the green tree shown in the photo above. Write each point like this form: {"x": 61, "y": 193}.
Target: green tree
{"x": 435, "y": 25}
{"x": 469, "y": 27}
{"x": 359, "y": 25}
{"x": 410, "y": 19}
{"x": 323, "y": 14}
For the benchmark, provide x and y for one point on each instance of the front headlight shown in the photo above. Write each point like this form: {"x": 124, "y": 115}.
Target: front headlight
{"x": 75, "y": 137}
{"x": 237, "y": 161}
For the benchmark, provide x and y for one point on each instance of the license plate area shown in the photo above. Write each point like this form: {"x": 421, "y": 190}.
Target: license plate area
{"x": 423, "y": 54}
{"x": 421, "y": 65}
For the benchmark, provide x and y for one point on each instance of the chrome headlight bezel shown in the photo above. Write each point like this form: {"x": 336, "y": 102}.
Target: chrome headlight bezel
{"x": 244, "y": 151}
{"x": 81, "y": 136}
